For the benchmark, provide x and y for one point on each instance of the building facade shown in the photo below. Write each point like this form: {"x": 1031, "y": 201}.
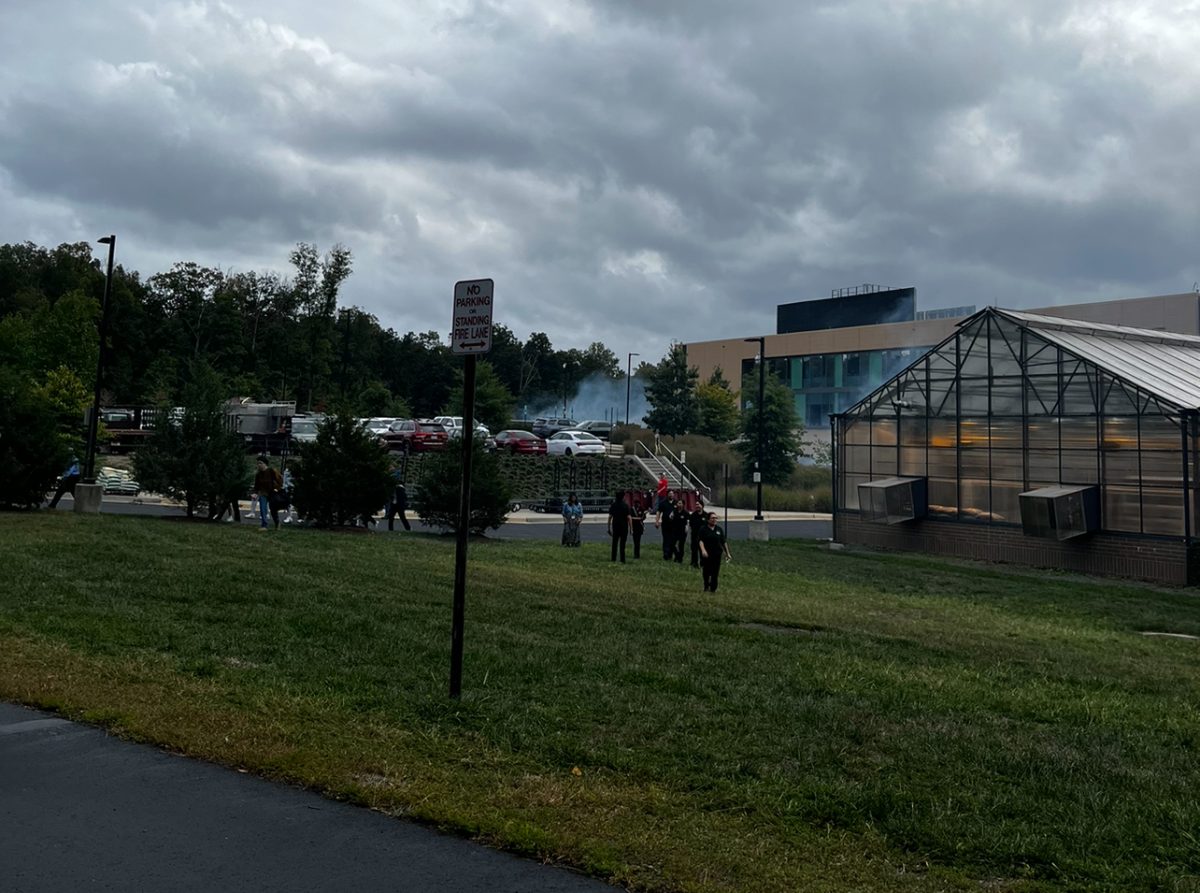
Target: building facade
{"x": 832, "y": 352}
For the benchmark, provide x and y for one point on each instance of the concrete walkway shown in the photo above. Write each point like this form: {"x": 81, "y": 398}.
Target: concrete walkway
{"x": 80, "y": 810}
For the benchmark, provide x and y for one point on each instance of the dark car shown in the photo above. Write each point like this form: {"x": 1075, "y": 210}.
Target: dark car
{"x": 546, "y": 427}
{"x": 416, "y": 436}
{"x": 521, "y": 442}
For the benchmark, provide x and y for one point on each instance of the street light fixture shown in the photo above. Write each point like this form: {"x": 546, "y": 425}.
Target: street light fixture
{"x": 628, "y": 381}
{"x": 758, "y": 462}
{"x": 89, "y": 468}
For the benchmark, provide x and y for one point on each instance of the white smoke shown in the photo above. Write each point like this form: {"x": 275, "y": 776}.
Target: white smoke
{"x": 597, "y": 397}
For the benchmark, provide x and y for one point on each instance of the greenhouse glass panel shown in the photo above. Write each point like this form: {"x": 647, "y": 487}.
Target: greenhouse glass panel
{"x": 857, "y": 431}
{"x": 1162, "y": 511}
{"x": 849, "y": 498}
{"x": 1078, "y": 432}
{"x": 1121, "y": 468}
{"x": 1042, "y": 391}
{"x": 943, "y": 463}
{"x": 943, "y": 432}
{"x": 1159, "y": 432}
{"x": 1043, "y": 465}
{"x": 1079, "y": 467}
{"x": 1162, "y": 469}
{"x": 884, "y": 431}
{"x": 973, "y": 499}
{"x": 1078, "y": 396}
{"x": 973, "y": 397}
{"x": 1006, "y": 396}
{"x": 975, "y": 464}
{"x": 1120, "y": 433}
{"x": 973, "y": 433}
{"x": 912, "y": 461}
{"x": 1043, "y": 433}
{"x": 1006, "y": 502}
{"x": 857, "y": 458}
{"x": 883, "y": 461}
{"x": 1006, "y": 433}
{"x": 912, "y": 431}
{"x": 1118, "y": 402}
{"x": 1122, "y": 509}
{"x": 1008, "y": 465}
{"x": 943, "y": 497}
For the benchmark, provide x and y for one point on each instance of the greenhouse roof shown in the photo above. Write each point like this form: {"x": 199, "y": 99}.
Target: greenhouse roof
{"x": 1164, "y": 364}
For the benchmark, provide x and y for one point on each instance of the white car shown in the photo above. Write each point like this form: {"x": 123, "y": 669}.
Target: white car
{"x": 378, "y": 426}
{"x": 454, "y": 426}
{"x": 574, "y": 443}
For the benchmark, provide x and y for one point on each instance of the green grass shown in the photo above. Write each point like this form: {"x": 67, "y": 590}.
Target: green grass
{"x": 829, "y": 721}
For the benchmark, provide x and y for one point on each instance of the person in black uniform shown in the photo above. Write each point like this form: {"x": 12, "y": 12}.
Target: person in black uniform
{"x": 714, "y": 548}
{"x": 679, "y": 530}
{"x": 637, "y": 526}
{"x": 697, "y": 521}
{"x": 662, "y": 521}
{"x": 618, "y": 524}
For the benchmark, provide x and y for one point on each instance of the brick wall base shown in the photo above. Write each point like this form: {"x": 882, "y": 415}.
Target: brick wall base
{"x": 1109, "y": 554}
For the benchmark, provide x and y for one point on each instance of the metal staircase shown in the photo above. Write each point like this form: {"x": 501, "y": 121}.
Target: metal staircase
{"x": 660, "y": 462}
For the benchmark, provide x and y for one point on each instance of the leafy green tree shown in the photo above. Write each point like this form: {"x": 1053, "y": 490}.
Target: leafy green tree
{"x": 671, "y": 393}
{"x": 781, "y": 430}
{"x": 32, "y": 451}
{"x": 718, "y": 409}
{"x": 341, "y": 476}
{"x": 599, "y": 360}
{"x": 196, "y": 459}
{"x": 437, "y": 499}
{"x": 493, "y": 402}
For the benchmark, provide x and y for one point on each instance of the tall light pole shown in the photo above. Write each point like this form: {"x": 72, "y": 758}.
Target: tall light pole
{"x": 628, "y": 381}
{"x": 89, "y": 467}
{"x": 758, "y": 463}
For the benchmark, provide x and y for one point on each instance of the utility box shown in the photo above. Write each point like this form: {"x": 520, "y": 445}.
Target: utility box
{"x": 1060, "y": 513}
{"x": 893, "y": 500}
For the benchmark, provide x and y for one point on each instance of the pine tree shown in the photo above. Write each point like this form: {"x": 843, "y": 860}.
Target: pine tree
{"x": 671, "y": 393}
{"x": 781, "y": 430}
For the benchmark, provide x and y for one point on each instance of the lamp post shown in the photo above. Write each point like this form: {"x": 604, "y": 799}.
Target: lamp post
{"x": 89, "y": 468}
{"x": 758, "y": 462}
{"x": 628, "y": 381}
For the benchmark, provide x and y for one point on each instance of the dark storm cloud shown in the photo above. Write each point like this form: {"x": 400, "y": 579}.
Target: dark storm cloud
{"x": 633, "y": 172}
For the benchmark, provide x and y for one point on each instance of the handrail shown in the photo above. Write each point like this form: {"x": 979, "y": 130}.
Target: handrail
{"x": 686, "y": 474}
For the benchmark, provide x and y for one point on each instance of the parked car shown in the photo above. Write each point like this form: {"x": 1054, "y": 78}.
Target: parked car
{"x": 378, "y": 426}
{"x": 454, "y": 428}
{"x": 416, "y": 436}
{"x": 575, "y": 443}
{"x": 601, "y": 429}
{"x": 520, "y": 442}
{"x": 546, "y": 427}
{"x": 304, "y": 427}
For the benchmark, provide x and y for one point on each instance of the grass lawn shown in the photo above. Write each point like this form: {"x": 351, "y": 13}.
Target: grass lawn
{"x": 828, "y": 721}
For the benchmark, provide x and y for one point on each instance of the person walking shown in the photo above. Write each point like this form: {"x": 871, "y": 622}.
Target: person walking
{"x": 697, "y": 520}
{"x": 267, "y": 483}
{"x": 618, "y": 525}
{"x": 679, "y": 529}
{"x": 572, "y": 513}
{"x": 661, "y": 493}
{"x": 714, "y": 547}
{"x": 66, "y": 484}
{"x": 663, "y": 522}
{"x": 398, "y": 503}
{"x": 637, "y": 524}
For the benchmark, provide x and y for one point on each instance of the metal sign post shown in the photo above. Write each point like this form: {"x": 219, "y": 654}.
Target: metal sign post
{"x": 470, "y": 336}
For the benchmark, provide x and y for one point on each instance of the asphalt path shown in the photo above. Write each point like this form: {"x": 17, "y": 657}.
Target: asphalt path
{"x": 81, "y": 810}
{"x": 526, "y": 526}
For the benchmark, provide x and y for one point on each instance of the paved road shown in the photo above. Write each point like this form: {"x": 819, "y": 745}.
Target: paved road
{"x": 84, "y": 811}
{"x": 528, "y": 525}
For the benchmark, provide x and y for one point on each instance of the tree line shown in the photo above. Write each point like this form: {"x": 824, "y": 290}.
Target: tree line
{"x": 285, "y": 337}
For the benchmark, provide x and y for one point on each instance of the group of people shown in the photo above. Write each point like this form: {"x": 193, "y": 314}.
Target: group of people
{"x": 627, "y": 516}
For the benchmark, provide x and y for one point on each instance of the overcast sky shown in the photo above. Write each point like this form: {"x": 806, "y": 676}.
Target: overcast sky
{"x": 630, "y": 171}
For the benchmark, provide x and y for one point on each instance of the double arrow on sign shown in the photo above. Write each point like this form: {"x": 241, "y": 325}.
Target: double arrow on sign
{"x": 472, "y": 344}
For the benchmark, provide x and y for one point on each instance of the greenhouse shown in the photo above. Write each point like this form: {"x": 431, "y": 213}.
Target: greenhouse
{"x": 1031, "y": 439}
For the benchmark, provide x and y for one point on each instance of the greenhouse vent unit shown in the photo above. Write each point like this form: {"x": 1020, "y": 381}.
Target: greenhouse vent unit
{"x": 1035, "y": 440}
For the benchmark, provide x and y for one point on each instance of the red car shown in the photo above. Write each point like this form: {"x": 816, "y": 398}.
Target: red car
{"x": 521, "y": 442}
{"x": 416, "y": 436}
